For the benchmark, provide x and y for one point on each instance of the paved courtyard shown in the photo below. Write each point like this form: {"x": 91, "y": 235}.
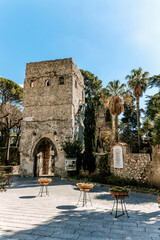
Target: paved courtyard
{"x": 24, "y": 215}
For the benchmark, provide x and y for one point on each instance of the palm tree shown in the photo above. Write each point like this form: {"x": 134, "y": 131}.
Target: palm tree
{"x": 113, "y": 97}
{"x": 137, "y": 81}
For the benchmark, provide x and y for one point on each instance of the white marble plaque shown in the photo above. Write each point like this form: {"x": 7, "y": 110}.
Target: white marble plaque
{"x": 118, "y": 156}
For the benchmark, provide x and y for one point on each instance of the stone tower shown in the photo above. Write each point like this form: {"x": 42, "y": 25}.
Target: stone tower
{"x": 53, "y": 103}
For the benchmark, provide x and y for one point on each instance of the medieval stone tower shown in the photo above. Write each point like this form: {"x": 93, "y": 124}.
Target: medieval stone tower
{"x": 53, "y": 104}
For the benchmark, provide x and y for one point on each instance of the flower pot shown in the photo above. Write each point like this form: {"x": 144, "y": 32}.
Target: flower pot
{"x": 44, "y": 181}
{"x": 84, "y": 186}
{"x": 119, "y": 193}
{"x": 158, "y": 199}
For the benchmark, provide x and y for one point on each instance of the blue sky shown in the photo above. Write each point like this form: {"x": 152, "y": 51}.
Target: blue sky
{"x": 107, "y": 37}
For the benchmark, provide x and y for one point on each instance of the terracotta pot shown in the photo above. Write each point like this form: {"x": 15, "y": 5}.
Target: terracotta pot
{"x": 119, "y": 193}
{"x": 84, "y": 186}
{"x": 158, "y": 199}
{"x": 44, "y": 182}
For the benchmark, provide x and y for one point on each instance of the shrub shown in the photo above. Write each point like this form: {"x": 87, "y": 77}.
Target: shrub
{"x": 103, "y": 165}
{"x": 73, "y": 150}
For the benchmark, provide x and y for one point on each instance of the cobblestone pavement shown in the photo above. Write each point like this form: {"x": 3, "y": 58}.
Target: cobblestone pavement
{"x": 24, "y": 215}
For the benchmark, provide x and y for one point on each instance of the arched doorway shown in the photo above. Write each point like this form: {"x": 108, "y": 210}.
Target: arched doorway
{"x": 44, "y": 154}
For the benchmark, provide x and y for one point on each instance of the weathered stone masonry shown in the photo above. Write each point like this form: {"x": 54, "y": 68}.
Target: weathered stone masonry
{"x": 53, "y": 104}
{"x": 140, "y": 166}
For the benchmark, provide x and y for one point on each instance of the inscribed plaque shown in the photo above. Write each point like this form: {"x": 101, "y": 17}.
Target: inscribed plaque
{"x": 118, "y": 156}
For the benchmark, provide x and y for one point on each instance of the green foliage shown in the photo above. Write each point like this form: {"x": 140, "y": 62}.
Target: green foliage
{"x": 147, "y": 132}
{"x": 156, "y": 130}
{"x": 114, "y": 88}
{"x": 153, "y": 106}
{"x": 155, "y": 81}
{"x": 153, "y": 113}
{"x": 10, "y": 92}
{"x": 90, "y": 136}
{"x": 115, "y": 180}
{"x": 128, "y": 127}
{"x": 113, "y": 97}
{"x": 103, "y": 165}
{"x": 14, "y": 156}
{"x": 92, "y": 85}
{"x": 138, "y": 82}
{"x": 74, "y": 150}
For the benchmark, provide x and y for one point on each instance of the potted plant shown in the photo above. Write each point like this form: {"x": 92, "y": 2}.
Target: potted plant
{"x": 119, "y": 191}
{"x": 44, "y": 181}
{"x": 158, "y": 199}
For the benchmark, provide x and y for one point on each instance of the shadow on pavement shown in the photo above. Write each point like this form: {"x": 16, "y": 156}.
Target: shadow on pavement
{"x": 83, "y": 224}
{"x": 66, "y": 207}
{"x": 27, "y": 197}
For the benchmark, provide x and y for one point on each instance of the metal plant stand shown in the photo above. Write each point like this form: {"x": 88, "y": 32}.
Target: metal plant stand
{"x": 43, "y": 190}
{"x": 121, "y": 199}
{"x": 84, "y": 197}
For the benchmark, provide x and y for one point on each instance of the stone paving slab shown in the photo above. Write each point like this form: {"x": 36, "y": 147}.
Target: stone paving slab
{"x": 24, "y": 215}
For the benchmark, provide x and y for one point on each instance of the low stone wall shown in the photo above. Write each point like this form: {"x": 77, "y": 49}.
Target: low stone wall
{"x": 134, "y": 166}
{"x": 153, "y": 170}
{"x": 16, "y": 170}
{"x": 139, "y": 166}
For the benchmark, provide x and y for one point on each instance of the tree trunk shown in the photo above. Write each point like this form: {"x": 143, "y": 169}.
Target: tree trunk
{"x": 7, "y": 149}
{"x": 138, "y": 121}
{"x": 116, "y": 128}
{"x": 113, "y": 128}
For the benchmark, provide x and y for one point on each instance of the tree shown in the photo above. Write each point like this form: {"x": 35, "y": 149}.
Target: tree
{"x": 128, "y": 127}
{"x": 90, "y": 136}
{"x": 93, "y": 87}
{"x": 152, "y": 114}
{"x": 155, "y": 81}
{"x": 153, "y": 106}
{"x": 156, "y": 130}
{"x": 10, "y": 92}
{"x": 113, "y": 96}
{"x": 147, "y": 131}
{"x": 10, "y": 116}
{"x": 137, "y": 81}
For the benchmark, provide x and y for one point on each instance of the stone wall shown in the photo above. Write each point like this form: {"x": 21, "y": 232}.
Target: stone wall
{"x": 134, "y": 165}
{"x": 153, "y": 170}
{"x": 140, "y": 166}
{"x": 51, "y": 109}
